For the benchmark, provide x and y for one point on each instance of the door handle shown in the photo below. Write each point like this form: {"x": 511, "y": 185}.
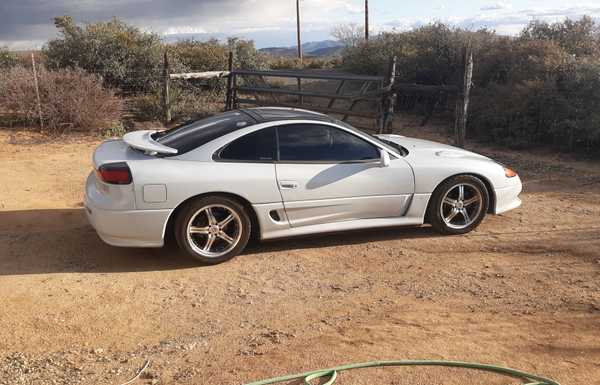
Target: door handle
{"x": 288, "y": 184}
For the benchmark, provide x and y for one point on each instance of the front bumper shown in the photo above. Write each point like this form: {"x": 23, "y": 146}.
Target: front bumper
{"x": 507, "y": 198}
{"x": 127, "y": 228}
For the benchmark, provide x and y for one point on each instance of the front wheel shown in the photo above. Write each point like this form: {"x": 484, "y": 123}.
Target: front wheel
{"x": 213, "y": 229}
{"x": 458, "y": 205}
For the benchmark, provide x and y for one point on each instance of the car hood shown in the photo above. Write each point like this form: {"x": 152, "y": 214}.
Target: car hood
{"x": 421, "y": 147}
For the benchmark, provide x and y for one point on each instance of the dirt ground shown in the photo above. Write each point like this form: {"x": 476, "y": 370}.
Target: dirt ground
{"x": 522, "y": 291}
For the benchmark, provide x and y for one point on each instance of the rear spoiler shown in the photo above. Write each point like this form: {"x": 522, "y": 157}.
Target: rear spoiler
{"x": 142, "y": 140}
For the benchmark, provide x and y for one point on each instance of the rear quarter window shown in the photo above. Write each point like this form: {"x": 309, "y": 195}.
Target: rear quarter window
{"x": 193, "y": 135}
{"x": 257, "y": 146}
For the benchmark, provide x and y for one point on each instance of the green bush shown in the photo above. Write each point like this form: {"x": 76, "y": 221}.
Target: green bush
{"x": 212, "y": 55}
{"x": 575, "y": 37}
{"x": 293, "y": 63}
{"x": 123, "y": 55}
{"x": 542, "y": 87}
{"x": 186, "y": 102}
{"x": 8, "y": 59}
{"x": 200, "y": 56}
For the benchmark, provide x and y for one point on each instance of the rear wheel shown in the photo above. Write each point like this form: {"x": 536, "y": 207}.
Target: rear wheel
{"x": 458, "y": 205}
{"x": 213, "y": 229}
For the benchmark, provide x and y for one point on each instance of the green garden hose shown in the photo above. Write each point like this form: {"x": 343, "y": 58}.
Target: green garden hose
{"x": 332, "y": 373}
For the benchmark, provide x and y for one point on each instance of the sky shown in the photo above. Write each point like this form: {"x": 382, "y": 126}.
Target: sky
{"x": 26, "y": 24}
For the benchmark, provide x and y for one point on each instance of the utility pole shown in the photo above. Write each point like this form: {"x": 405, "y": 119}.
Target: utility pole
{"x": 298, "y": 28}
{"x": 366, "y": 20}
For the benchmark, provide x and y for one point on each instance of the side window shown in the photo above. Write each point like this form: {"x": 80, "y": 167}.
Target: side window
{"x": 319, "y": 143}
{"x": 258, "y": 146}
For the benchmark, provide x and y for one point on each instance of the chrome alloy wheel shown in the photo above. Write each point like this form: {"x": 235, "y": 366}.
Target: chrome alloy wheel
{"x": 214, "y": 230}
{"x": 461, "y": 205}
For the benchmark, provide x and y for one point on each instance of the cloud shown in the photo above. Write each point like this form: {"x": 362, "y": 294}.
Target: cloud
{"x": 29, "y": 23}
{"x": 32, "y": 20}
{"x": 504, "y": 21}
{"x": 496, "y": 6}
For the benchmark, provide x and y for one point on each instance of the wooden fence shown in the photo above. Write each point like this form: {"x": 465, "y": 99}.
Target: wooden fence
{"x": 372, "y": 97}
{"x": 328, "y": 92}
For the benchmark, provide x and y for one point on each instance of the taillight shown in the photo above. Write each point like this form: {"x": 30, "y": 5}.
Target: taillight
{"x": 115, "y": 173}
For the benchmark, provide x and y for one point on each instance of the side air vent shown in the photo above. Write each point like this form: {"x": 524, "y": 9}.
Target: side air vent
{"x": 275, "y": 215}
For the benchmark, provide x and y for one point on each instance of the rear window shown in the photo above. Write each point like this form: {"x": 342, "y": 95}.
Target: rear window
{"x": 190, "y": 136}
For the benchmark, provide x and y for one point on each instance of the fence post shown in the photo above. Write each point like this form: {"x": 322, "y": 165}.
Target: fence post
{"x": 389, "y": 99}
{"x": 229, "y": 98}
{"x": 234, "y": 98}
{"x": 37, "y": 92}
{"x": 166, "y": 82}
{"x": 300, "y": 97}
{"x": 462, "y": 106}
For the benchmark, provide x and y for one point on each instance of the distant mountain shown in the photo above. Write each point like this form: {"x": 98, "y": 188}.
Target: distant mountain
{"x": 279, "y": 51}
{"x": 313, "y": 48}
{"x": 327, "y": 51}
{"x": 321, "y": 48}
{"x": 316, "y": 45}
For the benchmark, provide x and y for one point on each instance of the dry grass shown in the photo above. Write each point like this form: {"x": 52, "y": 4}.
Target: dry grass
{"x": 71, "y": 100}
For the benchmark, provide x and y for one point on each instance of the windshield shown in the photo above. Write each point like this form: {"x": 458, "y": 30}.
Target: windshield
{"x": 395, "y": 147}
{"x": 190, "y": 136}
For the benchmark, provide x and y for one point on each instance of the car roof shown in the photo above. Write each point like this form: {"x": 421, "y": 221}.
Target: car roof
{"x": 272, "y": 114}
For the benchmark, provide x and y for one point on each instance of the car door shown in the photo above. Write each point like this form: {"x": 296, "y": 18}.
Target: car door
{"x": 328, "y": 174}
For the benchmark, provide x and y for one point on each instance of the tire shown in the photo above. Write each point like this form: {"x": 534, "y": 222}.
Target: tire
{"x": 217, "y": 239}
{"x": 449, "y": 212}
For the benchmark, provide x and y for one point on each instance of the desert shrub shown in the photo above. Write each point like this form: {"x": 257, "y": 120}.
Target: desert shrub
{"x": 200, "y": 56}
{"x": 246, "y": 56}
{"x": 427, "y": 55}
{"x": 576, "y": 37}
{"x": 542, "y": 87}
{"x": 284, "y": 62}
{"x": 323, "y": 63}
{"x": 212, "y": 55}
{"x": 533, "y": 91}
{"x": 116, "y": 130}
{"x": 191, "y": 97}
{"x": 8, "y": 59}
{"x": 293, "y": 63}
{"x": 185, "y": 102}
{"x": 123, "y": 55}
{"x": 71, "y": 99}
{"x": 188, "y": 103}
{"x": 147, "y": 107}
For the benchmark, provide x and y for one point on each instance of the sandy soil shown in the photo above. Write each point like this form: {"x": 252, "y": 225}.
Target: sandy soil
{"x": 523, "y": 290}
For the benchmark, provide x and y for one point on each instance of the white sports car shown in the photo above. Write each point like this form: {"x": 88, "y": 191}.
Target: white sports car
{"x": 277, "y": 172}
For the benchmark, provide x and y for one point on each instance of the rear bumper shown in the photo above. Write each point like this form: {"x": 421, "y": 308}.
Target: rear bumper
{"x": 127, "y": 228}
{"x": 507, "y": 198}
{"x": 136, "y": 228}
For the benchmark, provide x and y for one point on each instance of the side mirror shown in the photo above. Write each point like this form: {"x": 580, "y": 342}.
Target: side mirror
{"x": 384, "y": 158}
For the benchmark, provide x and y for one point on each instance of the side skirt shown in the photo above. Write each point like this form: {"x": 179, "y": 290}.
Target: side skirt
{"x": 271, "y": 229}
